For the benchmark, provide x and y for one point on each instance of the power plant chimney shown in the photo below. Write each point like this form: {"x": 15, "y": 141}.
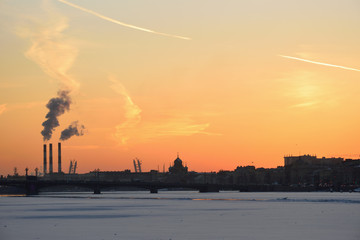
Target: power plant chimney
{"x": 45, "y": 167}
{"x": 59, "y": 157}
{"x": 50, "y": 159}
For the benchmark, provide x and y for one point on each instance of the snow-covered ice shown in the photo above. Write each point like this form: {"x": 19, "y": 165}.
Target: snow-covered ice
{"x": 181, "y": 215}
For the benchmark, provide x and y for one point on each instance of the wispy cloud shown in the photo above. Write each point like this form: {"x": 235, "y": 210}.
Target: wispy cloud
{"x": 55, "y": 55}
{"x": 121, "y": 23}
{"x": 137, "y": 129}
{"x": 49, "y": 49}
{"x": 320, "y": 63}
{"x": 2, "y": 108}
{"x": 131, "y": 111}
{"x": 174, "y": 126}
{"x": 20, "y": 106}
{"x": 27, "y": 105}
{"x": 305, "y": 90}
{"x": 305, "y": 104}
{"x": 167, "y": 127}
{"x": 81, "y": 147}
{"x": 8, "y": 85}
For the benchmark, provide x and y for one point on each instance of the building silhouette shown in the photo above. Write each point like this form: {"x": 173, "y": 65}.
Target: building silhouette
{"x": 178, "y": 167}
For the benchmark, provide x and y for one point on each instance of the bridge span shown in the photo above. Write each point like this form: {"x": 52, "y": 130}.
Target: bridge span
{"x": 33, "y": 185}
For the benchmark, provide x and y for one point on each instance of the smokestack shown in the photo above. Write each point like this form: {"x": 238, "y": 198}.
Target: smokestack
{"x": 59, "y": 157}
{"x": 50, "y": 159}
{"x": 45, "y": 167}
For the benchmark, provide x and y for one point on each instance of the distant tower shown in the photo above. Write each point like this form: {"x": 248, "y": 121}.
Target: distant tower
{"x": 59, "y": 157}
{"x": 45, "y": 167}
{"x": 50, "y": 159}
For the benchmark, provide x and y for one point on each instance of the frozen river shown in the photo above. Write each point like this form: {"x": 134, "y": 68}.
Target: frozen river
{"x": 181, "y": 215}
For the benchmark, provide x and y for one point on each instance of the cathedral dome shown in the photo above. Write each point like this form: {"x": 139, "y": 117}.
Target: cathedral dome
{"x": 178, "y": 166}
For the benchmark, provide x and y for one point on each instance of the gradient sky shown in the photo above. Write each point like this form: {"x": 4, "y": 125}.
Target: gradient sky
{"x": 223, "y": 99}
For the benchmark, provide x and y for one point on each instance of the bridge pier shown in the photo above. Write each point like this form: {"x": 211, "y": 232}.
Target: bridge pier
{"x": 97, "y": 190}
{"x": 31, "y": 186}
{"x": 244, "y": 189}
{"x": 207, "y": 188}
{"x": 153, "y": 190}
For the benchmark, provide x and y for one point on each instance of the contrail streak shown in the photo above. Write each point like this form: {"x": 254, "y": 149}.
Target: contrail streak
{"x": 121, "y": 23}
{"x": 320, "y": 63}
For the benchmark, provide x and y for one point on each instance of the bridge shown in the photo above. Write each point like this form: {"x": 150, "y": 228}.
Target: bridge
{"x": 33, "y": 185}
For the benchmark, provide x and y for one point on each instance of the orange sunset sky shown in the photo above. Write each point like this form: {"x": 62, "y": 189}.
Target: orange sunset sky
{"x": 213, "y": 87}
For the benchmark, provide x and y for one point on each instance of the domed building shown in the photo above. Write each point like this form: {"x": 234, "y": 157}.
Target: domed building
{"x": 178, "y": 166}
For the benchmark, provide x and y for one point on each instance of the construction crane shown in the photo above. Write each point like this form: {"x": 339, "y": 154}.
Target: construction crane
{"x": 72, "y": 167}
{"x": 75, "y": 165}
{"x": 137, "y": 165}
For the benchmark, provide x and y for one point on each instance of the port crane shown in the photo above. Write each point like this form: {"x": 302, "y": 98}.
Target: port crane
{"x": 137, "y": 165}
{"x": 72, "y": 167}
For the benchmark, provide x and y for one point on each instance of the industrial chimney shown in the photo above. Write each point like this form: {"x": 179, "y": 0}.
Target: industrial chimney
{"x": 45, "y": 167}
{"x": 59, "y": 157}
{"x": 50, "y": 159}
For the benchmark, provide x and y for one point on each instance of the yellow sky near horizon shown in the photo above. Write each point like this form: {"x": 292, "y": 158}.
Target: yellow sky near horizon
{"x": 223, "y": 99}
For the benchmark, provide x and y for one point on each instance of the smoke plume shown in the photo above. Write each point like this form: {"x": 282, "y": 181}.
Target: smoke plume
{"x": 57, "y": 106}
{"x": 73, "y": 129}
{"x": 55, "y": 54}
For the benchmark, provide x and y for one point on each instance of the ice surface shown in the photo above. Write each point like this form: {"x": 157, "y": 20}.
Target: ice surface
{"x": 181, "y": 215}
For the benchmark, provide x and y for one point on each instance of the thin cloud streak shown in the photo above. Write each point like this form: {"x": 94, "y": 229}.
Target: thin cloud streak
{"x": 121, "y": 23}
{"x": 26, "y": 105}
{"x": 81, "y": 147}
{"x": 132, "y": 112}
{"x": 8, "y": 107}
{"x": 133, "y": 127}
{"x": 2, "y": 108}
{"x": 169, "y": 127}
{"x": 320, "y": 63}
{"x": 304, "y": 105}
{"x": 7, "y": 85}
{"x": 176, "y": 126}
